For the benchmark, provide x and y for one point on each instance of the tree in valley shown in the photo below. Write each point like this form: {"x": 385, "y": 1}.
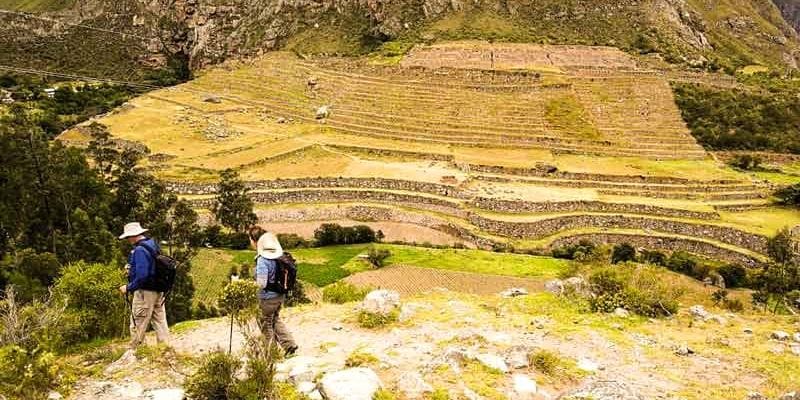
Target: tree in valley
{"x": 233, "y": 208}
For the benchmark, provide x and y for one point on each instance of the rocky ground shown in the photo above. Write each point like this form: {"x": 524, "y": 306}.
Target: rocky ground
{"x": 471, "y": 347}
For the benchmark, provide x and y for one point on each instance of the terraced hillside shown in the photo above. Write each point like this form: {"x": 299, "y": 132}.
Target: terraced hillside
{"x": 547, "y": 146}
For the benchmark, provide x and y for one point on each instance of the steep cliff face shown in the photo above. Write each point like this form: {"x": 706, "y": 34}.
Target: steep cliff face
{"x": 791, "y": 11}
{"x": 132, "y": 38}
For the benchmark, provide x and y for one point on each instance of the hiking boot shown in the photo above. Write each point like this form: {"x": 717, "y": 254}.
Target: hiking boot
{"x": 290, "y": 351}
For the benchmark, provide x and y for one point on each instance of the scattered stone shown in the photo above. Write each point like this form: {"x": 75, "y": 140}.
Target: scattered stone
{"x": 585, "y": 364}
{"x": 413, "y": 386}
{"x": 514, "y": 292}
{"x": 790, "y": 396}
{"x": 699, "y": 312}
{"x": 54, "y": 396}
{"x": 517, "y": 357}
{"x": 796, "y": 337}
{"x": 621, "y": 312}
{"x": 755, "y": 396}
{"x": 795, "y": 349}
{"x": 748, "y": 331}
{"x": 493, "y": 361}
{"x": 779, "y": 335}
{"x": 556, "y": 286}
{"x": 350, "y": 384}
{"x": 381, "y": 301}
{"x": 718, "y": 319}
{"x": 524, "y": 388}
{"x": 165, "y": 394}
{"x": 323, "y": 112}
{"x": 337, "y": 327}
{"x": 306, "y": 387}
{"x": 281, "y": 120}
{"x": 212, "y": 99}
{"x": 602, "y": 390}
{"x": 683, "y": 350}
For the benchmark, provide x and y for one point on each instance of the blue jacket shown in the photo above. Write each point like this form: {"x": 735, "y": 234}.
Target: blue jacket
{"x": 265, "y": 274}
{"x": 142, "y": 264}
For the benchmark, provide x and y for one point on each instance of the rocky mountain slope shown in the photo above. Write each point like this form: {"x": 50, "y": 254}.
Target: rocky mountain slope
{"x": 88, "y": 35}
{"x": 791, "y": 11}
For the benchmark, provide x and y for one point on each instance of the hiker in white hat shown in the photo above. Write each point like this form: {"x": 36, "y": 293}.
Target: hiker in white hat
{"x": 147, "y": 306}
{"x": 272, "y": 288}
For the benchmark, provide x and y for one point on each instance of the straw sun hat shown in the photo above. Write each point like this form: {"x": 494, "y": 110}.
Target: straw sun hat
{"x": 269, "y": 247}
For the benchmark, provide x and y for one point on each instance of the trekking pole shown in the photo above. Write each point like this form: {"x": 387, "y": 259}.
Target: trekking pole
{"x": 230, "y": 337}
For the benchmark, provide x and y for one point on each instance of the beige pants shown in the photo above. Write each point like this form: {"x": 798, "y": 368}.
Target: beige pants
{"x": 271, "y": 325}
{"x": 148, "y": 309}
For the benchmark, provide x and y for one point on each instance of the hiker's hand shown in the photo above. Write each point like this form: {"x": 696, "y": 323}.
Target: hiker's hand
{"x": 123, "y": 289}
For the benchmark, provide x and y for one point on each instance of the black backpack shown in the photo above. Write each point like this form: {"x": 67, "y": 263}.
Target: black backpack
{"x": 163, "y": 278}
{"x": 285, "y": 275}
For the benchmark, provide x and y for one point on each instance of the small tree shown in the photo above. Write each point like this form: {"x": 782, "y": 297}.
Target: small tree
{"x": 233, "y": 207}
{"x": 377, "y": 257}
{"x": 789, "y": 195}
{"x": 238, "y": 300}
{"x": 779, "y": 247}
{"x": 746, "y": 162}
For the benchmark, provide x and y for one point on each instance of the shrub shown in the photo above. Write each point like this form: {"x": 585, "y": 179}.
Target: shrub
{"x": 30, "y": 325}
{"x": 212, "y": 236}
{"x": 734, "y": 275}
{"x": 623, "y": 252}
{"x": 331, "y": 234}
{"x": 298, "y": 295}
{"x": 236, "y": 241}
{"x": 789, "y": 195}
{"x": 360, "y": 358}
{"x": 640, "y": 290}
{"x": 746, "y": 162}
{"x": 734, "y": 305}
{"x": 239, "y": 296}
{"x": 545, "y": 361}
{"x": 377, "y": 257}
{"x": 292, "y": 241}
{"x": 215, "y": 379}
{"x": 372, "y": 320}
{"x": 719, "y": 296}
{"x": 681, "y": 262}
{"x": 343, "y": 292}
{"x": 27, "y": 374}
{"x": 383, "y": 394}
{"x": 91, "y": 294}
{"x": 579, "y": 251}
{"x": 654, "y": 257}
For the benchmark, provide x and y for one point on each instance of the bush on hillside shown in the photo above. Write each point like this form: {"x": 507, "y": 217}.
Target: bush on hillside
{"x": 747, "y": 162}
{"x": 734, "y": 275}
{"x": 789, "y": 195}
{"x": 28, "y": 373}
{"x": 583, "y": 250}
{"x": 332, "y": 234}
{"x": 93, "y": 301}
{"x": 653, "y": 257}
{"x": 343, "y": 292}
{"x": 32, "y": 325}
{"x": 639, "y": 289}
{"x": 216, "y": 377}
{"x": 623, "y": 252}
{"x": 377, "y": 257}
{"x": 298, "y": 295}
{"x": 292, "y": 241}
{"x": 371, "y": 320}
{"x": 687, "y": 264}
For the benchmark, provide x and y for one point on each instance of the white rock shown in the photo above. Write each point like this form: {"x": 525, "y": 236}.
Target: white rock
{"x": 306, "y": 387}
{"x": 350, "y": 384}
{"x": 748, "y": 331}
{"x": 795, "y": 349}
{"x": 517, "y": 357}
{"x": 790, "y": 396}
{"x": 587, "y": 365}
{"x": 699, "y": 312}
{"x": 621, "y": 312}
{"x": 555, "y": 286}
{"x": 755, "y": 396}
{"x": 493, "y": 361}
{"x": 796, "y": 337}
{"x": 381, "y": 301}
{"x": 514, "y": 292}
{"x": 302, "y": 373}
{"x": 323, "y": 112}
{"x": 315, "y": 395}
{"x": 413, "y": 386}
{"x": 129, "y": 389}
{"x": 779, "y": 335}
{"x": 165, "y": 394}
{"x": 524, "y": 388}
{"x": 54, "y": 396}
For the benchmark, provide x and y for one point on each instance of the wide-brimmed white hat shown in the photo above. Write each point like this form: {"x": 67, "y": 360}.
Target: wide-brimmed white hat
{"x": 269, "y": 247}
{"x": 131, "y": 230}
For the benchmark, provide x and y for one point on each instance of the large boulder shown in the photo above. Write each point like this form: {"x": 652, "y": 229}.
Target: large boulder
{"x": 350, "y": 384}
{"x": 413, "y": 386}
{"x": 381, "y": 301}
{"x": 602, "y": 390}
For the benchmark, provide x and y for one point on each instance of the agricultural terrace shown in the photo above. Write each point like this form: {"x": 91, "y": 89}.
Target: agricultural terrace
{"x": 485, "y": 145}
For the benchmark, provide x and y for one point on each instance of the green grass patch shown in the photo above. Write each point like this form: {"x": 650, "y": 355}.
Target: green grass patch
{"x": 476, "y": 261}
{"x": 568, "y": 114}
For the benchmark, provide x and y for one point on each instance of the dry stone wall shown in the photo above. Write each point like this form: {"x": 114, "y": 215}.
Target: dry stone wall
{"x": 551, "y": 226}
{"x": 519, "y": 206}
{"x": 662, "y": 243}
{"x": 549, "y": 171}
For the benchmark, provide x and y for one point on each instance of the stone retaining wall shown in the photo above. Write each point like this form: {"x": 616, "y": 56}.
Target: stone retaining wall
{"x": 357, "y": 183}
{"x": 551, "y": 226}
{"x": 394, "y": 153}
{"x": 549, "y": 171}
{"x": 519, "y": 206}
{"x": 662, "y": 243}
{"x": 624, "y": 187}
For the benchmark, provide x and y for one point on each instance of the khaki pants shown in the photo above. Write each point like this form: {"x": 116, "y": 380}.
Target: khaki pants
{"x": 271, "y": 325}
{"x": 148, "y": 309}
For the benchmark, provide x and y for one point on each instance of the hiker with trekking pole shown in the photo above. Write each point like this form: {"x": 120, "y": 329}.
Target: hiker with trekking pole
{"x": 151, "y": 276}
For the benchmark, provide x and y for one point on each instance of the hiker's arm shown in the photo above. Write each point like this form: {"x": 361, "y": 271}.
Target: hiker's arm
{"x": 140, "y": 269}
